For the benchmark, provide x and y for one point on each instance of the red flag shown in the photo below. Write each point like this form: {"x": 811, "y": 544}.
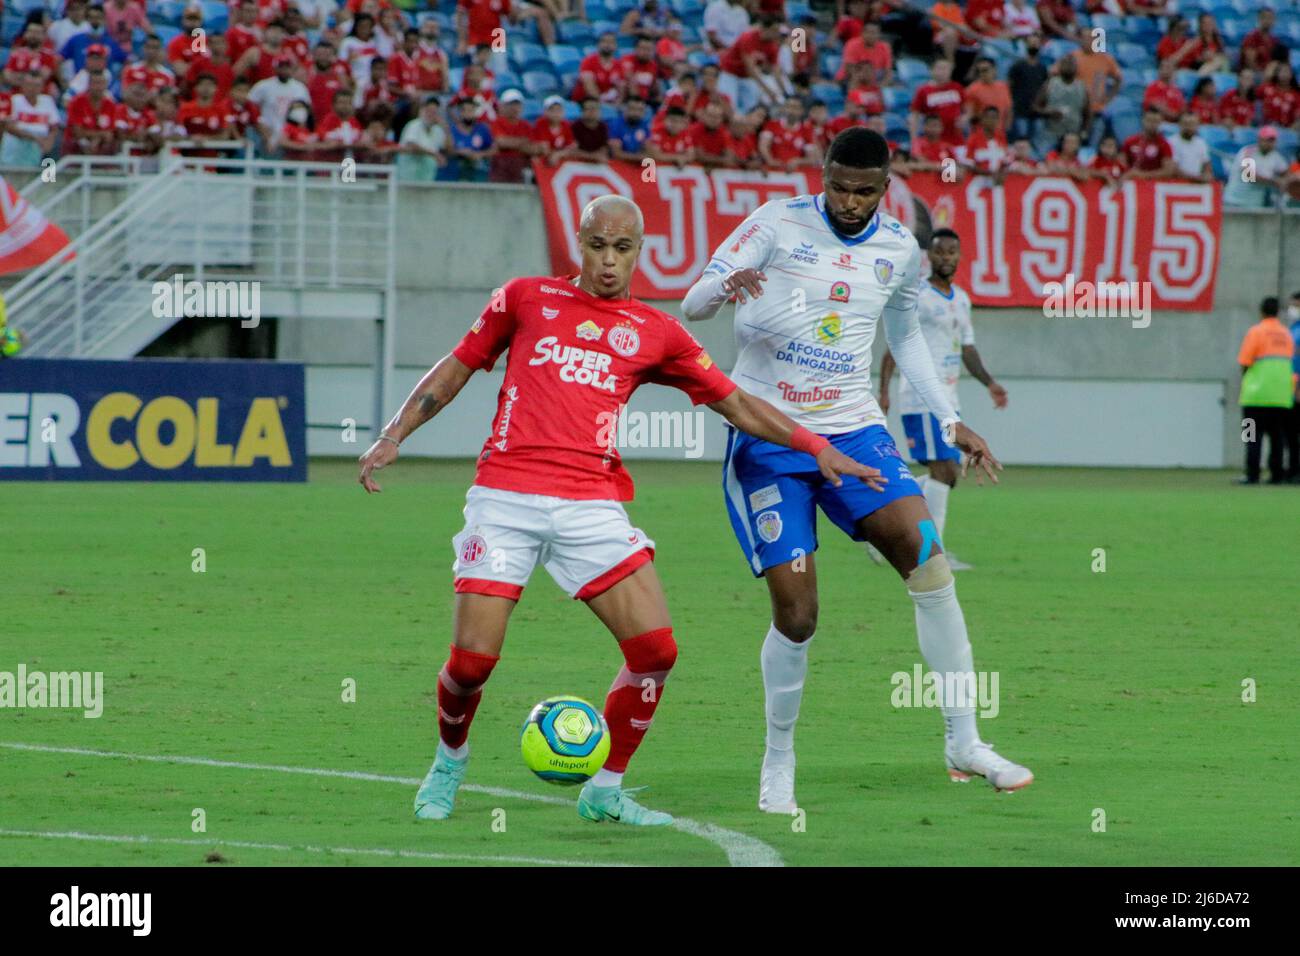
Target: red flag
{"x": 27, "y": 238}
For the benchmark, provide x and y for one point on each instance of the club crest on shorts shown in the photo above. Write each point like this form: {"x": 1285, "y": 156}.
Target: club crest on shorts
{"x": 839, "y": 292}
{"x": 549, "y": 313}
{"x": 473, "y": 550}
{"x": 590, "y": 331}
{"x": 624, "y": 340}
{"x": 884, "y": 270}
{"x": 769, "y": 526}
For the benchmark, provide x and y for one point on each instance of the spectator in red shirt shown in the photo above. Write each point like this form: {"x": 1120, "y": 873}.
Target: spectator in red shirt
{"x": 30, "y": 53}
{"x": 205, "y": 117}
{"x": 789, "y": 142}
{"x": 744, "y": 142}
{"x": 988, "y": 17}
{"x": 744, "y": 79}
{"x": 513, "y": 136}
{"x": 987, "y": 90}
{"x": 216, "y": 62}
{"x": 244, "y": 34}
{"x": 869, "y": 48}
{"x": 339, "y": 131}
{"x": 298, "y": 138}
{"x": 431, "y": 60}
{"x": 985, "y": 152}
{"x": 672, "y": 142}
{"x": 92, "y": 116}
{"x": 477, "y": 22}
{"x": 1148, "y": 153}
{"x": 1163, "y": 95}
{"x": 1280, "y": 98}
{"x": 1058, "y": 19}
{"x": 941, "y": 97}
{"x": 710, "y": 137}
{"x": 1211, "y": 54}
{"x": 1065, "y": 159}
{"x": 135, "y": 121}
{"x": 327, "y": 76}
{"x": 600, "y": 74}
{"x": 854, "y": 115}
{"x": 247, "y": 118}
{"x": 851, "y": 23}
{"x": 181, "y": 49}
{"x": 1237, "y": 106}
{"x": 1109, "y": 163}
{"x": 641, "y": 72}
{"x": 670, "y": 50}
{"x": 553, "y": 132}
{"x": 1260, "y": 50}
{"x": 151, "y": 70}
{"x": 1176, "y": 46}
{"x": 931, "y": 152}
{"x": 1205, "y": 101}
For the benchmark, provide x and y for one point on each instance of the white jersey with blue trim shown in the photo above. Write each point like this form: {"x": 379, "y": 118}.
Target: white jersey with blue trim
{"x": 805, "y": 343}
{"x": 946, "y": 324}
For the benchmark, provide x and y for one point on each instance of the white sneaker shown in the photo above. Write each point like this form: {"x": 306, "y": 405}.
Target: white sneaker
{"x": 776, "y": 783}
{"x": 981, "y": 761}
{"x": 957, "y": 564}
{"x": 874, "y": 553}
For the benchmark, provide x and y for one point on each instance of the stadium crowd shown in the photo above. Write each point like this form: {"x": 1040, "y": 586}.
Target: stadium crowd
{"x": 475, "y": 89}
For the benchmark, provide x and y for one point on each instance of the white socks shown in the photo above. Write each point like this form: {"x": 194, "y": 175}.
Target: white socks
{"x": 941, "y": 631}
{"x": 784, "y": 665}
{"x": 607, "y": 778}
{"x": 936, "y": 499}
{"x": 455, "y": 753}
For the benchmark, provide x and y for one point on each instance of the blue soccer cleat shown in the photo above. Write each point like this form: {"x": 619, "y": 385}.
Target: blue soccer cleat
{"x": 437, "y": 795}
{"x": 599, "y": 804}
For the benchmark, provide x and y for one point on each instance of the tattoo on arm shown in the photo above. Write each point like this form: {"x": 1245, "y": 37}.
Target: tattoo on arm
{"x": 428, "y": 406}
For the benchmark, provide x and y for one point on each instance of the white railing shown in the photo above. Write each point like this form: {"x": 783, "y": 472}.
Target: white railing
{"x": 296, "y": 226}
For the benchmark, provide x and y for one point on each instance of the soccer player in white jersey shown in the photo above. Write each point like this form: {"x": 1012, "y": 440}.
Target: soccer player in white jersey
{"x": 943, "y": 309}
{"x": 549, "y": 486}
{"x": 813, "y": 276}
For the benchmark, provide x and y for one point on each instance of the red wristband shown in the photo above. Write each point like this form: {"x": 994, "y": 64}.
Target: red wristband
{"x": 804, "y": 440}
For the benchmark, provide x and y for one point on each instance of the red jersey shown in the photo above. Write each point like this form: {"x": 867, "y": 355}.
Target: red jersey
{"x": 430, "y": 68}
{"x": 744, "y": 148}
{"x": 1206, "y": 109}
{"x": 203, "y": 120}
{"x": 1166, "y": 97}
{"x": 84, "y": 115}
{"x": 1113, "y": 167}
{"x": 789, "y": 142}
{"x": 666, "y": 142}
{"x": 322, "y": 87}
{"x": 933, "y": 152}
{"x": 221, "y": 72}
{"x": 1055, "y": 157}
{"x": 245, "y": 116}
{"x": 296, "y": 45}
{"x": 555, "y": 137}
{"x": 135, "y": 125}
{"x": 239, "y": 40}
{"x": 869, "y": 97}
{"x": 1145, "y": 153}
{"x": 837, "y": 125}
{"x": 710, "y": 142}
{"x": 1236, "y": 110}
{"x": 606, "y": 76}
{"x": 574, "y": 360}
{"x": 485, "y": 17}
{"x": 641, "y": 76}
{"x": 1280, "y": 106}
{"x": 847, "y": 28}
{"x": 180, "y": 49}
{"x": 24, "y": 59}
{"x": 153, "y": 77}
{"x": 402, "y": 71}
{"x": 991, "y": 12}
{"x": 336, "y": 131}
{"x": 944, "y": 101}
{"x": 987, "y": 154}
{"x": 748, "y": 43}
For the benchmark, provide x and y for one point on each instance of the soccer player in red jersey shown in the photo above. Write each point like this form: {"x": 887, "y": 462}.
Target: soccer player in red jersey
{"x": 550, "y": 484}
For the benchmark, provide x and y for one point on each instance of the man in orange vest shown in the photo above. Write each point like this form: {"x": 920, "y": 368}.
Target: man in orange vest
{"x": 1268, "y": 388}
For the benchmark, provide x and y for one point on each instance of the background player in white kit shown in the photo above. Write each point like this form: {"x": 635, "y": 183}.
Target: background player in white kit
{"x": 813, "y": 276}
{"x": 944, "y": 312}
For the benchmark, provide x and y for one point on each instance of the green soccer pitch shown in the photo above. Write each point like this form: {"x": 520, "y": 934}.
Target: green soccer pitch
{"x": 224, "y": 690}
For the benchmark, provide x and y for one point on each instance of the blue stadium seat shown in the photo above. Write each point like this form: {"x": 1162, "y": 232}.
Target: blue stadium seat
{"x": 456, "y": 77}
{"x": 572, "y": 110}
{"x": 1234, "y": 28}
{"x": 523, "y": 55}
{"x": 897, "y": 100}
{"x": 912, "y": 71}
{"x": 532, "y": 109}
{"x": 1287, "y": 141}
{"x": 1143, "y": 30}
{"x": 1245, "y": 136}
{"x": 894, "y": 120}
{"x": 1133, "y": 55}
{"x": 830, "y": 62}
{"x": 1186, "y": 81}
{"x": 565, "y": 59}
{"x": 691, "y": 8}
{"x": 1126, "y": 124}
{"x": 169, "y": 11}
{"x": 1053, "y": 50}
{"x": 604, "y": 26}
{"x": 10, "y": 27}
{"x": 1219, "y": 161}
{"x": 1224, "y": 82}
{"x": 216, "y": 16}
{"x": 1216, "y": 137}
{"x": 540, "y": 83}
{"x": 576, "y": 33}
{"x": 508, "y": 79}
{"x": 166, "y": 33}
{"x": 1113, "y": 25}
{"x": 793, "y": 11}
{"x": 699, "y": 59}
{"x": 625, "y": 44}
{"x": 608, "y": 112}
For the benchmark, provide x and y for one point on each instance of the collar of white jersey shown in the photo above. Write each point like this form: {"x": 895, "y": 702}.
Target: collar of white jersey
{"x": 847, "y": 240}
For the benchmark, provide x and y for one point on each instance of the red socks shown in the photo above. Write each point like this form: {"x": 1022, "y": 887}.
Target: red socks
{"x": 460, "y": 685}
{"x": 630, "y": 706}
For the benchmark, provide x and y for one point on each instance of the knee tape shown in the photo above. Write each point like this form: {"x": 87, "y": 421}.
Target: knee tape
{"x": 933, "y": 575}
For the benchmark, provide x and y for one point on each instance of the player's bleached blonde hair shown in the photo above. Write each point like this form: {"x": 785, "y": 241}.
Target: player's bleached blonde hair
{"x": 611, "y": 205}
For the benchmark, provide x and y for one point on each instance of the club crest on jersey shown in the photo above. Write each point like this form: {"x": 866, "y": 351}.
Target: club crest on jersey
{"x": 769, "y": 525}
{"x": 839, "y": 292}
{"x": 624, "y": 340}
{"x": 704, "y": 360}
{"x": 549, "y": 313}
{"x": 590, "y": 331}
{"x": 829, "y": 328}
{"x": 884, "y": 270}
{"x": 472, "y": 551}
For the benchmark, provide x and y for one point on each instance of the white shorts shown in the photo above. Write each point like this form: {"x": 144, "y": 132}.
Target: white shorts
{"x": 586, "y": 546}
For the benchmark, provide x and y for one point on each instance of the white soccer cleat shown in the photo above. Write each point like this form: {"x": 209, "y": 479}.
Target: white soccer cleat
{"x": 776, "y": 783}
{"x": 874, "y": 553}
{"x": 981, "y": 761}
{"x": 957, "y": 564}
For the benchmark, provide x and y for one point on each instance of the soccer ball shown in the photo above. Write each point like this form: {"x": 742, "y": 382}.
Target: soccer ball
{"x": 564, "y": 740}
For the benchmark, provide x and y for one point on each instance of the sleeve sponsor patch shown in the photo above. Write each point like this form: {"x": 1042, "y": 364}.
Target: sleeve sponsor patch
{"x": 704, "y": 360}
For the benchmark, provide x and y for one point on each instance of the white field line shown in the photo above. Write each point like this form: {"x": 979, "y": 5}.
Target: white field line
{"x": 246, "y": 845}
{"x": 741, "y": 849}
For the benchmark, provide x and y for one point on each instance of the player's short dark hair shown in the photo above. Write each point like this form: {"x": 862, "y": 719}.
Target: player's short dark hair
{"x": 859, "y": 148}
{"x": 1268, "y": 305}
{"x": 944, "y": 233}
